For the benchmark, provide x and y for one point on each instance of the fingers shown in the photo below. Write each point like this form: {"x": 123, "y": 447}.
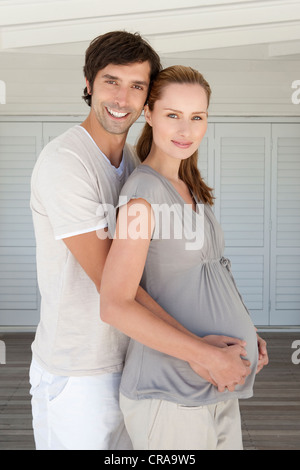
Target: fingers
{"x": 232, "y": 341}
{"x": 247, "y": 365}
{"x": 262, "y": 345}
{"x": 231, "y": 386}
{"x": 262, "y": 362}
{"x": 239, "y": 349}
{"x": 263, "y": 359}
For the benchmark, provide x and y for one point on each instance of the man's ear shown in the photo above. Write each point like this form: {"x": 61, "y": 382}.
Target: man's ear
{"x": 89, "y": 88}
{"x": 147, "y": 114}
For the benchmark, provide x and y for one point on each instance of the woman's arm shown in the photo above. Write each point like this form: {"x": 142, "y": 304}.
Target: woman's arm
{"x": 123, "y": 305}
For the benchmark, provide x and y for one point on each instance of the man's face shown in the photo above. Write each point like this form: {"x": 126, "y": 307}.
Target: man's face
{"x": 119, "y": 94}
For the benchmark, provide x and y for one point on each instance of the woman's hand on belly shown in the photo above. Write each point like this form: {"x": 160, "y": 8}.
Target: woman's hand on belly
{"x": 227, "y": 368}
{"x": 202, "y": 372}
{"x": 221, "y": 341}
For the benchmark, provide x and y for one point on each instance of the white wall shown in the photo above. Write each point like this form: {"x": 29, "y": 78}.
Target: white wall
{"x": 245, "y": 82}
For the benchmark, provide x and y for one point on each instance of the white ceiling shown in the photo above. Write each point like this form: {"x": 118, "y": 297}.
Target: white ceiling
{"x": 176, "y": 28}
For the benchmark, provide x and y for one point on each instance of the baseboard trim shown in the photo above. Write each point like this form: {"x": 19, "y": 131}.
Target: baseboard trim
{"x": 18, "y": 329}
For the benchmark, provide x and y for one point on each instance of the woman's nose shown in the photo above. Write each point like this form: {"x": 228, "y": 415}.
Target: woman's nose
{"x": 184, "y": 129}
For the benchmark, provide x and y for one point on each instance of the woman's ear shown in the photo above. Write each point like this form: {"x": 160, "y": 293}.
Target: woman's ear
{"x": 147, "y": 114}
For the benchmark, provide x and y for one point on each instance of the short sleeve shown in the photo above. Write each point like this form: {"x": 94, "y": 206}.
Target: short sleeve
{"x": 139, "y": 186}
{"x": 66, "y": 192}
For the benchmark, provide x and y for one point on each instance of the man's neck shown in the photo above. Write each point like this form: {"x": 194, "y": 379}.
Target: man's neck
{"x": 111, "y": 145}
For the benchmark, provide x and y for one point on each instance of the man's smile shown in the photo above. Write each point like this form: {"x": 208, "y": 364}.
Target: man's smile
{"x": 116, "y": 114}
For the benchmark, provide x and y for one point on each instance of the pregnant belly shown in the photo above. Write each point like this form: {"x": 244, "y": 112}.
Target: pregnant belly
{"x": 210, "y": 304}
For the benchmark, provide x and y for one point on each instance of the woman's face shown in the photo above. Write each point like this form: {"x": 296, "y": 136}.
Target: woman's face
{"x": 178, "y": 120}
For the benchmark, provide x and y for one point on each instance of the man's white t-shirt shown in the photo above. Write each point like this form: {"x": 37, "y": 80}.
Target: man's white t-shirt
{"x": 73, "y": 188}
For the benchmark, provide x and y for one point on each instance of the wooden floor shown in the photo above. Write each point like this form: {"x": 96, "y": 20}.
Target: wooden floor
{"x": 271, "y": 419}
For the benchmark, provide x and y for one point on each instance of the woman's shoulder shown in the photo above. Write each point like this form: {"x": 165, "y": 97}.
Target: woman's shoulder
{"x": 143, "y": 181}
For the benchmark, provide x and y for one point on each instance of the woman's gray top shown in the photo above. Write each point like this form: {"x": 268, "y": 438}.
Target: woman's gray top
{"x": 194, "y": 284}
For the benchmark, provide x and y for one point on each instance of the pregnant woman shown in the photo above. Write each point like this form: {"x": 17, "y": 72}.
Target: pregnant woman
{"x": 173, "y": 247}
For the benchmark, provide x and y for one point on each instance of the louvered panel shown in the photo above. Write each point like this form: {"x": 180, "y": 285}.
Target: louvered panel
{"x": 242, "y": 182}
{"x": 20, "y": 144}
{"x": 206, "y": 162}
{"x": 203, "y": 158}
{"x": 242, "y": 178}
{"x": 248, "y": 272}
{"x": 285, "y": 244}
{"x": 288, "y": 283}
{"x": 288, "y": 189}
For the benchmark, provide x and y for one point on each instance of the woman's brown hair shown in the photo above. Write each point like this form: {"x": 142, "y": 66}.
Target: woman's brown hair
{"x": 188, "y": 170}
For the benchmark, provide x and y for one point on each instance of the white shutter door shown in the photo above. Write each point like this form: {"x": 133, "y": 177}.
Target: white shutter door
{"x": 285, "y": 260}
{"x": 242, "y": 185}
{"x": 54, "y": 129}
{"x": 20, "y": 143}
{"x": 206, "y": 156}
{"x": 135, "y": 131}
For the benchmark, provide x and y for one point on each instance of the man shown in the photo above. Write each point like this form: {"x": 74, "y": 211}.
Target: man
{"x": 77, "y": 359}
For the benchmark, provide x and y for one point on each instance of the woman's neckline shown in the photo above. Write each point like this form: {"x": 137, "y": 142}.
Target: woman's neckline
{"x": 172, "y": 187}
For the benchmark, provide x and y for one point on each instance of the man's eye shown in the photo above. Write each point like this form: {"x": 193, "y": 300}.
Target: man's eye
{"x": 138, "y": 87}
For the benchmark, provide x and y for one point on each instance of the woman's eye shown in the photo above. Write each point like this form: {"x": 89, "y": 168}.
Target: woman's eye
{"x": 197, "y": 118}
{"x": 173, "y": 116}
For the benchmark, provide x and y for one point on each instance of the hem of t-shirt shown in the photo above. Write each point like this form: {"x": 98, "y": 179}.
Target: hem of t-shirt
{"x": 219, "y": 398}
{"x": 78, "y": 373}
{"x": 80, "y": 231}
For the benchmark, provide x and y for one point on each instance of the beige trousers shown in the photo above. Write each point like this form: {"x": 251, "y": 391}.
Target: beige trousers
{"x": 163, "y": 425}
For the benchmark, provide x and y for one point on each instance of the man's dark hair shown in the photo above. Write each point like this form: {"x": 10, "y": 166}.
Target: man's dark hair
{"x": 118, "y": 48}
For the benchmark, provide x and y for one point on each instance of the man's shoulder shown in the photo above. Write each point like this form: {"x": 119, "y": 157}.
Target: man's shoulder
{"x": 67, "y": 148}
{"x": 69, "y": 140}
{"x": 68, "y": 152}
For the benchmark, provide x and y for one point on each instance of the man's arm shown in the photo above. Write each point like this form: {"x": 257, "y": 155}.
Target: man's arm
{"x": 90, "y": 250}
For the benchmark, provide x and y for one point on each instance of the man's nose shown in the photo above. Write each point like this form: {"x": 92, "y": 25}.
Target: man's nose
{"x": 121, "y": 97}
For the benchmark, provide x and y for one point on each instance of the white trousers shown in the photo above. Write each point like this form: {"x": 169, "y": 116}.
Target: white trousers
{"x": 162, "y": 425}
{"x": 77, "y": 413}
